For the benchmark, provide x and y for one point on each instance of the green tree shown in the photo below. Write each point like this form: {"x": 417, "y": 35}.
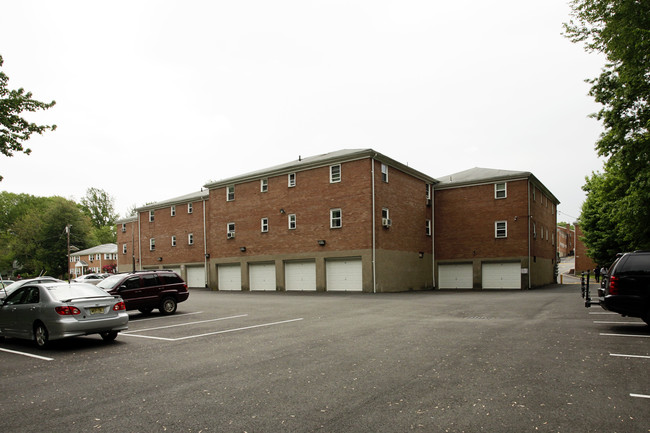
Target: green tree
{"x": 618, "y": 219}
{"x": 100, "y": 208}
{"x": 14, "y": 129}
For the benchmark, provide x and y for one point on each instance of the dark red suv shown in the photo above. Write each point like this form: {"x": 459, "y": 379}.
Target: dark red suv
{"x": 147, "y": 290}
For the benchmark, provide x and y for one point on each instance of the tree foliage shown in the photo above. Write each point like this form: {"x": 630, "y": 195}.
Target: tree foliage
{"x": 100, "y": 208}
{"x": 14, "y": 129}
{"x": 616, "y": 214}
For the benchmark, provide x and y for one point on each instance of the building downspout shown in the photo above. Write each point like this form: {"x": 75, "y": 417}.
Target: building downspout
{"x": 139, "y": 245}
{"x": 529, "y": 219}
{"x": 205, "y": 251}
{"x": 374, "y": 257}
{"x": 433, "y": 237}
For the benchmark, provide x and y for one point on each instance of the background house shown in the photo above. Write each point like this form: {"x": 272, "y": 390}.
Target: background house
{"x": 565, "y": 241}
{"x": 494, "y": 229}
{"x": 101, "y": 258}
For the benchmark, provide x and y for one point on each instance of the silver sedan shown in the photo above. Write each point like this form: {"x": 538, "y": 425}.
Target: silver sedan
{"x": 51, "y": 311}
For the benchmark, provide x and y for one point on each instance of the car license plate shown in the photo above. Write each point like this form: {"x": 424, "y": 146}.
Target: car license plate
{"x": 97, "y": 310}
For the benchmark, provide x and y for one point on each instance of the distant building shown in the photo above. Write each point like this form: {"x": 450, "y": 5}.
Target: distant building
{"x": 102, "y": 258}
{"x": 565, "y": 241}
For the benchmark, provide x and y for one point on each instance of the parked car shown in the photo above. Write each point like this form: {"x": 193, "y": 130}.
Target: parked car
{"x": 90, "y": 278}
{"x": 43, "y": 312}
{"x": 20, "y": 283}
{"x": 627, "y": 287}
{"x": 6, "y": 283}
{"x": 147, "y": 290}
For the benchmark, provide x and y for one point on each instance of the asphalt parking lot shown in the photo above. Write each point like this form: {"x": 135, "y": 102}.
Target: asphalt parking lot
{"x": 442, "y": 361}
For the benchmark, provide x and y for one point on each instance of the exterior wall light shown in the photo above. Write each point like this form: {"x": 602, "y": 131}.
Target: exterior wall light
{"x": 321, "y": 242}
{"x": 160, "y": 259}
{"x": 242, "y": 249}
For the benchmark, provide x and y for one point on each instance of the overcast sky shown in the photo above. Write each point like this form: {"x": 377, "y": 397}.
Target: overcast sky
{"x": 156, "y": 98}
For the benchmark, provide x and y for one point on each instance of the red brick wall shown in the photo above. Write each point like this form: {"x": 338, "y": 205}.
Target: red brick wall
{"x": 465, "y": 217}
{"x": 130, "y": 238}
{"x": 583, "y": 262}
{"x": 310, "y": 200}
{"x": 543, "y": 215}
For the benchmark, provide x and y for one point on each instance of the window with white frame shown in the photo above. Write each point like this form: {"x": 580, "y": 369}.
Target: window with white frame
{"x": 428, "y": 228}
{"x": 230, "y": 193}
{"x": 264, "y": 185}
{"x": 190, "y": 208}
{"x": 152, "y": 244}
{"x": 336, "y": 219}
{"x": 264, "y": 225}
{"x": 500, "y": 190}
{"x": 173, "y": 241}
{"x": 190, "y": 239}
{"x": 123, "y": 248}
{"x": 230, "y": 230}
{"x": 501, "y": 229}
{"x": 385, "y": 218}
{"x": 384, "y": 173}
{"x": 123, "y": 227}
{"x": 335, "y": 173}
{"x": 151, "y": 216}
{"x": 173, "y": 210}
{"x": 534, "y": 230}
{"x": 291, "y": 179}
{"x": 428, "y": 188}
{"x": 292, "y": 221}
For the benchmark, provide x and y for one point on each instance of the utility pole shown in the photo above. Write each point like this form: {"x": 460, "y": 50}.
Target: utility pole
{"x": 67, "y": 230}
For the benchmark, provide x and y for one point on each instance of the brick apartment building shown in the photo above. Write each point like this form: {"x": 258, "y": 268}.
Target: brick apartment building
{"x": 494, "y": 229}
{"x": 101, "y": 258}
{"x": 583, "y": 262}
{"x": 352, "y": 220}
{"x": 565, "y": 241}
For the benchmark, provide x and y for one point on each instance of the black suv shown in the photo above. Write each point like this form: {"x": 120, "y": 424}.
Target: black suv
{"x": 146, "y": 290}
{"x": 627, "y": 290}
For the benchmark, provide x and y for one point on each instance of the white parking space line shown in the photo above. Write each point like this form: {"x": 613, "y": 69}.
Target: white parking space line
{"x": 624, "y": 335}
{"x": 620, "y": 323}
{"x": 640, "y": 395}
{"x": 44, "y": 358}
{"x": 216, "y": 332}
{"x": 603, "y": 312}
{"x": 165, "y": 317}
{"x": 629, "y": 356}
{"x": 184, "y": 324}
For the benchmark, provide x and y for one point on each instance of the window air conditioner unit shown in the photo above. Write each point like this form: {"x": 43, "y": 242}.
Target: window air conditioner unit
{"x": 231, "y": 235}
{"x": 386, "y": 222}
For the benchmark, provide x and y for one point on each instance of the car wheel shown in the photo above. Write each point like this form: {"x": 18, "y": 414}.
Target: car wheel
{"x": 168, "y": 306}
{"x": 108, "y": 336}
{"x": 41, "y": 336}
{"x": 147, "y": 310}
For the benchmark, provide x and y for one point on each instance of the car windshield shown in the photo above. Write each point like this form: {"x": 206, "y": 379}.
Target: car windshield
{"x": 64, "y": 292}
{"x": 111, "y": 282}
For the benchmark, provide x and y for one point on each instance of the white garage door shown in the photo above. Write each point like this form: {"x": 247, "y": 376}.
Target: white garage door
{"x": 177, "y": 270}
{"x": 344, "y": 274}
{"x": 455, "y": 276}
{"x": 262, "y": 276}
{"x": 502, "y": 275}
{"x": 300, "y": 275}
{"x": 229, "y": 277}
{"x": 196, "y": 276}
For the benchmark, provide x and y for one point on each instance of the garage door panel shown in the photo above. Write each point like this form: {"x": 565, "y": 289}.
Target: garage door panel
{"x": 506, "y": 275}
{"x": 300, "y": 276}
{"x": 229, "y": 277}
{"x": 344, "y": 275}
{"x": 456, "y": 276}
{"x": 262, "y": 276}
{"x": 196, "y": 276}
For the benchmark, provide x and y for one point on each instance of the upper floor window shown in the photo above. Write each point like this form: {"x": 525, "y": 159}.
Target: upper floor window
{"x": 123, "y": 248}
{"x": 173, "y": 210}
{"x": 428, "y": 228}
{"x": 230, "y": 193}
{"x": 384, "y": 172}
{"x": 152, "y": 244}
{"x": 335, "y": 173}
{"x": 173, "y": 241}
{"x": 428, "y": 188}
{"x": 264, "y": 185}
{"x": 500, "y": 190}
{"x": 190, "y": 208}
{"x": 190, "y": 239}
{"x": 292, "y": 221}
{"x": 501, "y": 229}
{"x": 336, "y": 218}
{"x": 385, "y": 218}
{"x": 123, "y": 227}
{"x": 264, "y": 225}
{"x": 291, "y": 180}
{"x": 230, "y": 230}
{"x": 151, "y": 216}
